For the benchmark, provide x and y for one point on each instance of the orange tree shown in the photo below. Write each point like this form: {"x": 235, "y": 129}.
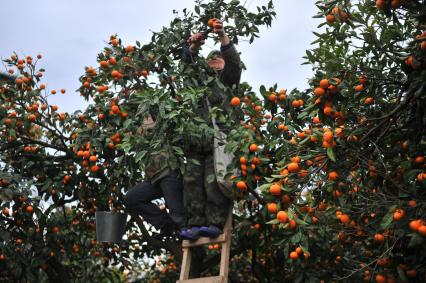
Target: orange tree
{"x": 333, "y": 176}
{"x": 340, "y": 166}
{"x": 58, "y": 168}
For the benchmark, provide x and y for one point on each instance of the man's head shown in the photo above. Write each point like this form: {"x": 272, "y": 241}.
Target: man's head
{"x": 215, "y": 60}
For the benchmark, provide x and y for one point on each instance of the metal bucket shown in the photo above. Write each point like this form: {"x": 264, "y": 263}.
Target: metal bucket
{"x": 110, "y": 226}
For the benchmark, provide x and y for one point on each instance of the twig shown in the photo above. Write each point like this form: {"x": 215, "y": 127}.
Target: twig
{"x": 375, "y": 260}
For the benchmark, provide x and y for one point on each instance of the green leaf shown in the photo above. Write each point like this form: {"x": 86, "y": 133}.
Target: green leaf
{"x": 273, "y": 221}
{"x": 387, "y": 219}
{"x": 330, "y": 154}
{"x": 140, "y": 155}
{"x": 195, "y": 161}
{"x": 300, "y": 221}
{"x": 416, "y": 240}
{"x": 211, "y": 178}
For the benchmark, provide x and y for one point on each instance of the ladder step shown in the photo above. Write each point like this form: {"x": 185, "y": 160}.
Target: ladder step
{"x": 212, "y": 279}
{"x": 205, "y": 240}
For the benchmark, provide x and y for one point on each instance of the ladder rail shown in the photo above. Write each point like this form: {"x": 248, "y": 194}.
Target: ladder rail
{"x": 225, "y": 238}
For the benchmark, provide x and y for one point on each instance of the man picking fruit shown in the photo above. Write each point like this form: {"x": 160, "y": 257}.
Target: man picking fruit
{"x": 206, "y": 206}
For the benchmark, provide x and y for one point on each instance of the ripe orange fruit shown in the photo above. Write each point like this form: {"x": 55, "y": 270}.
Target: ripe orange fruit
{"x": 241, "y": 185}
{"x": 104, "y": 64}
{"x": 359, "y": 87}
{"x": 379, "y": 277}
{"x": 319, "y": 91}
{"x": 415, "y": 225}
{"x": 378, "y": 238}
{"x": 380, "y": 4}
{"x": 114, "y": 42}
{"x": 294, "y": 255}
{"x": 253, "y": 147}
{"x": 32, "y": 117}
{"x": 295, "y": 103}
{"x": 93, "y": 158}
{"x": 328, "y": 110}
{"x": 398, "y": 214}
{"x": 333, "y": 176}
{"x": 235, "y": 101}
{"x": 299, "y": 250}
{"x": 129, "y": 48}
{"x": 327, "y": 136}
{"x": 282, "y": 216}
{"x": 395, "y": 4}
{"x": 421, "y": 176}
{"x": 324, "y": 83}
{"x": 112, "y": 61}
{"x": 144, "y": 73}
{"x": 272, "y": 207}
{"x": 292, "y": 225}
{"x": 335, "y": 10}
{"x": 283, "y": 96}
{"x": 115, "y": 73}
{"x": 243, "y": 160}
{"x": 272, "y": 97}
{"x": 275, "y": 189}
{"x": 344, "y": 218}
{"x": 29, "y": 209}
{"x": 293, "y": 167}
{"x": 115, "y": 109}
{"x": 368, "y": 100}
{"x": 316, "y": 120}
{"x": 419, "y": 159}
{"x": 94, "y": 168}
{"x": 211, "y": 22}
{"x": 86, "y": 154}
{"x": 330, "y": 18}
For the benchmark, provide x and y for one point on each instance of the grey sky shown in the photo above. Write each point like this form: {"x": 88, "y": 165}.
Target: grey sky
{"x": 70, "y": 34}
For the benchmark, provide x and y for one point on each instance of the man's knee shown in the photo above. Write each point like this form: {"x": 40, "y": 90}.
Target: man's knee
{"x": 135, "y": 196}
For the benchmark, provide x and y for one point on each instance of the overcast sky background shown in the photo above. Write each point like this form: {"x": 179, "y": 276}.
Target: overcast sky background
{"x": 70, "y": 34}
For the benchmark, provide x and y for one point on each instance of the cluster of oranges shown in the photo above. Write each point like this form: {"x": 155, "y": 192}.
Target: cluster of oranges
{"x": 419, "y": 226}
{"x": 294, "y": 255}
{"x": 337, "y": 13}
{"x": 382, "y": 4}
{"x": 115, "y": 139}
{"x": 89, "y": 159}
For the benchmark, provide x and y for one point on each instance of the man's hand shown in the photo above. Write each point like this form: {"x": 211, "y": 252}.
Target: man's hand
{"x": 220, "y": 31}
{"x": 196, "y": 40}
{"x": 218, "y": 28}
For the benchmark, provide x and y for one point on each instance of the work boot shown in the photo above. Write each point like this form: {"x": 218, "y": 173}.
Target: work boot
{"x": 190, "y": 234}
{"x": 210, "y": 231}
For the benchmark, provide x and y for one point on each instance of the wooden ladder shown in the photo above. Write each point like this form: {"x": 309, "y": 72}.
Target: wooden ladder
{"x": 225, "y": 239}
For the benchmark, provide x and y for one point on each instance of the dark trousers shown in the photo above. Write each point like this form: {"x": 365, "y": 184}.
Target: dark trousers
{"x": 205, "y": 203}
{"x": 138, "y": 199}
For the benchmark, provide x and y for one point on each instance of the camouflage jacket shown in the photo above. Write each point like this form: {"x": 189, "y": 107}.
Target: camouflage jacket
{"x": 158, "y": 165}
{"x": 221, "y": 90}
